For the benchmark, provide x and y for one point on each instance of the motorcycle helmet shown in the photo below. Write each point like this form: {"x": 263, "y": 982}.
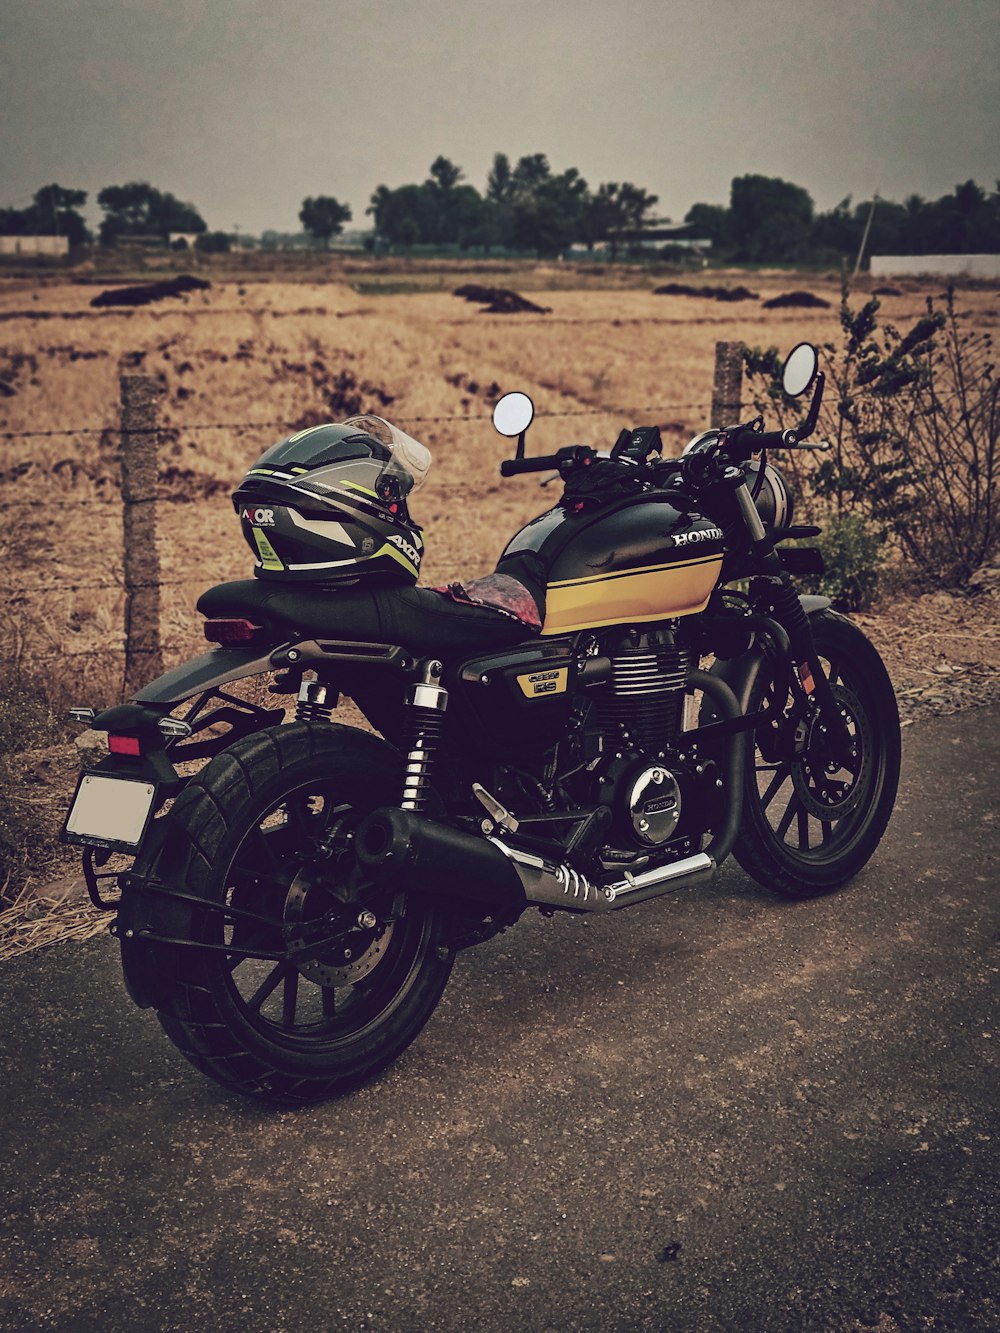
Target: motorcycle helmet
{"x": 329, "y": 505}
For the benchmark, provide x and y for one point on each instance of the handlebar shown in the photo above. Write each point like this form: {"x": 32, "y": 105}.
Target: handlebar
{"x": 745, "y": 438}
{"x": 510, "y": 467}
{"x": 568, "y": 457}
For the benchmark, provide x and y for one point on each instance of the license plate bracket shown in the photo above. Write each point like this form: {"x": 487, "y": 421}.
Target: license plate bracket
{"x": 110, "y": 812}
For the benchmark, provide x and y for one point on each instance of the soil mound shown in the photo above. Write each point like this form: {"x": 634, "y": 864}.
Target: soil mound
{"x": 796, "y": 299}
{"x": 887, "y": 291}
{"x": 499, "y": 300}
{"x": 151, "y": 291}
{"x": 706, "y": 293}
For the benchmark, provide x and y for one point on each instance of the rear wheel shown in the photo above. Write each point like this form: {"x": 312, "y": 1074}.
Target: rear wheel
{"x": 810, "y": 821}
{"x": 305, "y": 988}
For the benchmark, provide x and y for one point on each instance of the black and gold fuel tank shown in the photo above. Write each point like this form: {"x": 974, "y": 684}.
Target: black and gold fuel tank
{"x": 633, "y": 561}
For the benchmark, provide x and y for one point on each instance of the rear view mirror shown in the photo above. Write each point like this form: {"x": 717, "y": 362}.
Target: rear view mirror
{"x": 513, "y": 413}
{"x": 800, "y": 369}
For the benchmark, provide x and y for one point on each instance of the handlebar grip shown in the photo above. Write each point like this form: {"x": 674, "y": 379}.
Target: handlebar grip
{"x": 510, "y": 467}
{"x": 755, "y": 440}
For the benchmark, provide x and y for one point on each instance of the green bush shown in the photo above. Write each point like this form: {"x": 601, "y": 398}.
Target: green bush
{"x": 852, "y": 553}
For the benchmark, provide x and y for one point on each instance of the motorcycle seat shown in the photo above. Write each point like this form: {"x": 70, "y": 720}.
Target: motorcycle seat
{"x": 420, "y": 620}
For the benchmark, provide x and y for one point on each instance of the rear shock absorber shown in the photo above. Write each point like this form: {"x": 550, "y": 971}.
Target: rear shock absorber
{"x": 425, "y": 708}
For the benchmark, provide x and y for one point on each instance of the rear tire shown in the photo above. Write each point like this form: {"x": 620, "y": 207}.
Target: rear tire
{"x": 265, "y": 829}
{"x": 810, "y": 824}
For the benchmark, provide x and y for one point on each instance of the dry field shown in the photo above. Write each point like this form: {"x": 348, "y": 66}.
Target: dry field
{"x": 608, "y": 354}
{"x": 296, "y": 352}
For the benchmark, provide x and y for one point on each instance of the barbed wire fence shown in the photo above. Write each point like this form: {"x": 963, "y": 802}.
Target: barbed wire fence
{"x": 140, "y": 654}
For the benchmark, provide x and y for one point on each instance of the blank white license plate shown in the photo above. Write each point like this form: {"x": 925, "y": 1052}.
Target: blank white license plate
{"x": 110, "y": 812}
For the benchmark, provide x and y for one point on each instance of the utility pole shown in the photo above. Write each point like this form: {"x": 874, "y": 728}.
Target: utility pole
{"x": 864, "y": 238}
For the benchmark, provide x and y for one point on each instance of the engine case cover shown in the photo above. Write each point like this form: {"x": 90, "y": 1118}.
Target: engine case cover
{"x": 653, "y": 798}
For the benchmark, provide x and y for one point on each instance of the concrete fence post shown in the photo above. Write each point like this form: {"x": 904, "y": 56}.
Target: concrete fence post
{"x": 727, "y": 389}
{"x": 140, "y": 470}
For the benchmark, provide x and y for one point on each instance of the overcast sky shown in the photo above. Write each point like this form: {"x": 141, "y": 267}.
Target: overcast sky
{"x": 244, "y": 107}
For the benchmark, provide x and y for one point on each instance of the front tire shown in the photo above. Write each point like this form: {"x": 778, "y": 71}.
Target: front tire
{"x": 264, "y": 832}
{"x": 809, "y": 822}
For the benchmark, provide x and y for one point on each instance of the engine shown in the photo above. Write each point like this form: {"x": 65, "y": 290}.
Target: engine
{"x": 635, "y": 761}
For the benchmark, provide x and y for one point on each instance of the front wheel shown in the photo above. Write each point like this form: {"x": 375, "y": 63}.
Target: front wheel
{"x": 810, "y": 822}
{"x": 293, "y": 984}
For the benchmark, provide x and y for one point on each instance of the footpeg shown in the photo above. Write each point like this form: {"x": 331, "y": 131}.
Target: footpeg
{"x": 499, "y": 815}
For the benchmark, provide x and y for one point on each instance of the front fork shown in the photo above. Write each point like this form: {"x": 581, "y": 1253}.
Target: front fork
{"x": 788, "y": 611}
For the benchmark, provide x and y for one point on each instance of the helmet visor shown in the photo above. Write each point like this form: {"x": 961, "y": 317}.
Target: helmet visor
{"x": 410, "y": 459}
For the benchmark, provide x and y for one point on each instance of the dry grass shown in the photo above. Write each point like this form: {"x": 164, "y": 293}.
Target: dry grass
{"x": 35, "y": 919}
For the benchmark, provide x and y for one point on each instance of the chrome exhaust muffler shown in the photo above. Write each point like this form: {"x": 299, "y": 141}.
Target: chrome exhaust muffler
{"x": 417, "y": 854}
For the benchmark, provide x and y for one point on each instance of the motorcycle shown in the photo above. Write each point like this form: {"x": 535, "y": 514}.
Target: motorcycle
{"x": 636, "y": 693}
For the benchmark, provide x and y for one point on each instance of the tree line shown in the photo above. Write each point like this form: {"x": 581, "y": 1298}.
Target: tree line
{"x": 770, "y": 220}
{"x": 137, "y": 209}
{"x": 528, "y": 207}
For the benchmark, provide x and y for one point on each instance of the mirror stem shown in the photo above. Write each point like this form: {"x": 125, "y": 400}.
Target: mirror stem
{"x": 809, "y": 425}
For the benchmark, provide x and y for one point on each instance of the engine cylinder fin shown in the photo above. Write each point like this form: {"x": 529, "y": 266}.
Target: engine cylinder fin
{"x": 646, "y": 690}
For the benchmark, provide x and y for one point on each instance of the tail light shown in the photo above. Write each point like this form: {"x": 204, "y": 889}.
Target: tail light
{"x": 124, "y": 745}
{"x": 228, "y": 632}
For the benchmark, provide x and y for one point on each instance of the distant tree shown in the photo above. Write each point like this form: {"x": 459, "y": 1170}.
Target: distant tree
{"x": 712, "y": 221}
{"x": 213, "y": 242}
{"x": 770, "y": 218}
{"x": 613, "y": 212}
{"x": 530, "y": 173}
{"x": 444, "y": 174}
{"x": 139, "y": 209}
{"x": 500, "y": 182}
{"x": 59, "y": 206}
{"x": 323, "y": 217}
{"x": 52, "y": 212}
{"x": 548, "y": 211}
{"x": 405, "y": 216}
{"x": 439, "y": 212}
{"x": 526, "y": 206}
{"x": 602, "y": 215}
{"x": 838, "y": 229}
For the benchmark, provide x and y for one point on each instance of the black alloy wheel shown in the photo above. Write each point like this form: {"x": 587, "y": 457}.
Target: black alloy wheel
{"x": 811, "y": 820}
{"x": 303, "y": 993}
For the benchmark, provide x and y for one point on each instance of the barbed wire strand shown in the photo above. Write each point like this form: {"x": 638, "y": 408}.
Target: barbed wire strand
{"x": 180, "y": 428}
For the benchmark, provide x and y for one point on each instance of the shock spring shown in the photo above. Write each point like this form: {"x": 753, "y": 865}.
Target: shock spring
{"x": 425, "y": 707}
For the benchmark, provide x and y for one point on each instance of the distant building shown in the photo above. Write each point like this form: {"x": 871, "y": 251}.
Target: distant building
{"x": 34, "y": 245}
{"x": 183, "y": 240}
{"x": 654, "y": 234}
{"x": 938, "y": 266}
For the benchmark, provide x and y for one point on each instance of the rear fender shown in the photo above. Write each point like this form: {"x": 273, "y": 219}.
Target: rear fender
{"x": 211, "y": 670}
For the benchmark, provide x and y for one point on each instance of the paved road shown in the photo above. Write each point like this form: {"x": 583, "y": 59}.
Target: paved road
{"x": 716, "y": 1111}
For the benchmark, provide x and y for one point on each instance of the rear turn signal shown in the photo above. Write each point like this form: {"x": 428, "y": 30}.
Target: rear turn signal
{"x": 230, "y": 631}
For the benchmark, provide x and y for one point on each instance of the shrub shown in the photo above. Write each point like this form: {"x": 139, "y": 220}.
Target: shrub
{"x": 852, "y": 555}
{"x": 912, "y": 421}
